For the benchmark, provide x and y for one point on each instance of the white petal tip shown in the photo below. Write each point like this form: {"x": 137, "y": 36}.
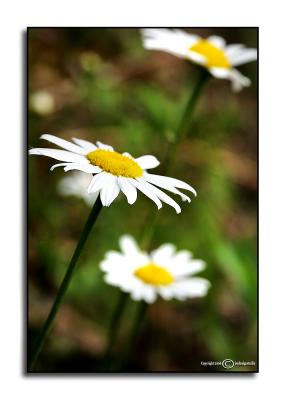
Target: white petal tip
{"x": 186, "y": 198}
{"x": 33, "y": 151}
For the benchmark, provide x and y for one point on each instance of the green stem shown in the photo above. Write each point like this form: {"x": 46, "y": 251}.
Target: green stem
{"x": 114, "y": 326}
{"x": 148, "y": 230}
{"x": 138, "y": 323}
{"x": 185, "y": 121}
{"x": 181, "y": 132}
{"x": 65, "y": 283}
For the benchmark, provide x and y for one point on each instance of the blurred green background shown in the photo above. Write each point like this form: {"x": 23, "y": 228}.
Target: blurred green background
{"x": 100, "y": 84}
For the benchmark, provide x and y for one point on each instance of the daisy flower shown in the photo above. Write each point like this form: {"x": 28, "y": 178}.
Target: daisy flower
{"x": 76, "y": 185}
{"x": 162, "y": 273}
{"x": 211, "y": 53}
{"x": 114, "y": 172}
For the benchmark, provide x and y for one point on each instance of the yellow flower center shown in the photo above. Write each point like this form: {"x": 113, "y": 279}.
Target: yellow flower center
{"x": 115, "y": 163}
{"x": 154, "y": 275}
{"x": 215, "y": 56}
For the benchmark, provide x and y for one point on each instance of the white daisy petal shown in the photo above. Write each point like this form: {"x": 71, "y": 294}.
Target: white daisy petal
{"x": 113, "y": 192}
{"x": 144, "y": 187}
{"x": 218, "y": 41}
{"x": 130, "y": 284}
{"x": 168, "y": 183}
{"x": 165, "y": 185}
{"x": 189, "y": 38}
{"x": 128, "y": 189}
{"x": 163, "y": 253}
{"x": 128, "y": 245}
{"x": 184, "y": 197}
{"x": 192, "y": 287}
{"x": 61, "y": 155}
{"x": 160, "y": 195}
{"x": 58, "y": 165}
{"x": 191, "y": 268}
{"x": 140, "y": 291}
{"x": 104, "y": 146}
{"x": 112, "y": 280}
{"x": 181, "y": 257}
{"x": 147, "y": 162}
{"x": 127, "y": 155}
{"x": 137, "y": 295}
{"x": 97, "y": 182}
{"x": 64, "y": 144}
{"x": 233, "y": 49}
{"x": 116, "y": 264}
{"x": 166, "y": 292}
{"x": 88, "y": 168}
{"x": 149, "y": 294}
{"x": 106, "y": 266}
{"x": 238, "y": 80}
{"x": 220, "y": 73}
{"x": 87, "y": 146}
{"x": 243, "y": 57}
{"x": 176, "y": 42}
{"x": 111, "y": 253}
{"x": 169, "y": 34}
{"x": 110, "y": 190}
{"x": 197, "y": 58}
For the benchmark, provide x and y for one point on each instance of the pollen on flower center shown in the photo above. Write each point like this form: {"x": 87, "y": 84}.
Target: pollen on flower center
{"x": 215, "y": 56}
{"x": 115, "y": 163}
{"x": 154, "y": 275}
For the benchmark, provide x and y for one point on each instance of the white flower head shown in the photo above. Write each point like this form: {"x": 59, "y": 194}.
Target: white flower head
{"x": 76, "y": 185}
{"x": 113, "y": 172}
{"x": 211, "y": 53}
{"x": 162, "y": 273}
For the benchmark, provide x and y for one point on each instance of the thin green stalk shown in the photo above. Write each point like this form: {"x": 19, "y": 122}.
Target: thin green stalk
{"x": 148, "y": 230}
{"x": 185, "y": 121}
{"x": 182, "y": 130}
{"x": 114, "y": 326}
{"x": 138, "y": 323}
{"x": 65, "y": 283}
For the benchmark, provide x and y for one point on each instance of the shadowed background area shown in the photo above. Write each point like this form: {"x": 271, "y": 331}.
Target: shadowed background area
{"x": 101, "y": 84}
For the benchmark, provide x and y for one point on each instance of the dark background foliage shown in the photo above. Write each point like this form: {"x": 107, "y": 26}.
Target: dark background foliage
{"x": 100, "y": 84}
